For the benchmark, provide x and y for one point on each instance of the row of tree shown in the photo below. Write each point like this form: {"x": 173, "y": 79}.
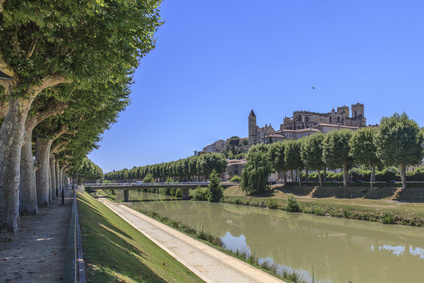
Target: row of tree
{"x": 183, "y": 169}
{"x": 396, "y": 142}
{"x": 65, "y": 74}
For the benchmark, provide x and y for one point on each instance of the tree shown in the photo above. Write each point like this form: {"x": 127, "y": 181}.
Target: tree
{"x": 311, "y": 153}
{"x": 276, "y": 157}
{"x": 363, "y": 149}
{"x": 336, "y": 151}
{"x": 293, "y": 159}
{"x": 256, "y": 171}
{"x": 215, "y": 191}
{"x": 399, "y": 143}
{"x": 44, "y": 46}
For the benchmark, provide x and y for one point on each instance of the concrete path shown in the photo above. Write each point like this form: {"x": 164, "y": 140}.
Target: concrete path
{"x": 208, "y": 263}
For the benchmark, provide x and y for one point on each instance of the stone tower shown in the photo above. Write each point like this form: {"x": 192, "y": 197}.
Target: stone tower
{"x": 358, "y": 110}
{"x": 252, "y": 128}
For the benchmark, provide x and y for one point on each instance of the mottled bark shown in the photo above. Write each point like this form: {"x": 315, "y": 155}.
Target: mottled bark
{"x": 53, "y": 176}
{"x": 43, "y": 180}
{"x": 319, "y": 177}
{"x": 402, "y": 171}
{"x": 11, "y": 139}
{"x": 345, "y": 175}
{"x": 28, "y": 190}
{"x": 57, "y": 170}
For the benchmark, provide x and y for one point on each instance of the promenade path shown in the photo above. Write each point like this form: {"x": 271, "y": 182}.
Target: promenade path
{"x": 37, "y": 252}
{"x": 206, "y": 262}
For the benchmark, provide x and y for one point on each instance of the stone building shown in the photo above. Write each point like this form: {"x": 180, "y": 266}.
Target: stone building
{"x": 306, "y": 123}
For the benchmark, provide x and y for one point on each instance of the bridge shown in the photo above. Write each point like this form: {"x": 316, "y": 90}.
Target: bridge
{"x": 184, "y": 186}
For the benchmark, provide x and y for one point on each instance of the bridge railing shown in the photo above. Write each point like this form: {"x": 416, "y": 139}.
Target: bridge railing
{"x": 155, "y": 184}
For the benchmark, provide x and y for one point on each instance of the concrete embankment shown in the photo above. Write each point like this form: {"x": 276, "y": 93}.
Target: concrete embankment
{"x": 206, "y": 262}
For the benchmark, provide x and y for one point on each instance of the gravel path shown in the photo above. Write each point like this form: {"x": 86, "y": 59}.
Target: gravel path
{"x": 37, "y": 252}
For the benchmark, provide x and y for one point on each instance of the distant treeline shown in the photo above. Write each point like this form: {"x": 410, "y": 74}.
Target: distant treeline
{"x": 184, "y": 169}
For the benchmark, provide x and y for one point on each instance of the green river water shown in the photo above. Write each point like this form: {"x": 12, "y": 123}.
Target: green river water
{"x": 325, "y": 249}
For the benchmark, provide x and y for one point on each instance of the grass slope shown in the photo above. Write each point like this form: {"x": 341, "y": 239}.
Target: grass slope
{"x": 384, "y": 208}
{"x": 116, "y": 252}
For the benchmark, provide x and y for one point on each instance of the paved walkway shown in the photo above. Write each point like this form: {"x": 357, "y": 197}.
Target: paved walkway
{"x": 37, "y": 252}
{"x": 208, "y": 263}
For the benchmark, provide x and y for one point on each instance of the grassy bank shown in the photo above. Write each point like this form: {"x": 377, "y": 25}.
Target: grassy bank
{"x": 114, "y": 251}
{"x": 289, "y": 277}
{"x": 380, "y": 205}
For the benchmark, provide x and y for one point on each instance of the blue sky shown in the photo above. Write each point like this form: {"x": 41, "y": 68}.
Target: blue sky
{"x": 215, "y": 60}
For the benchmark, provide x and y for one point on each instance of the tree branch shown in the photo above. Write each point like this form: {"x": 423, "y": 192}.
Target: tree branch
{"x": 47, "y": 82}
{"x": 1, "y": 5}
{"x": 53, "y": 108}
{"x": 32, "y": 46}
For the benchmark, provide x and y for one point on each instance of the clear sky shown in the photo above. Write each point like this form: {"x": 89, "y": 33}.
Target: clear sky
{"x": 215, "y": 60}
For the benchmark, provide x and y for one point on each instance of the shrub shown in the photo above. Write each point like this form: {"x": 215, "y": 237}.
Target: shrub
{"x": 292, "y": 204}
{"x": 236, "y": 179}
{"x": 178, "y": 193}
{"x": 272, "y": 204}
{"x": 215, "y": 192}
{"x": 387, "y": 218}
{"x": 148, "y": 179}
{"x": 199, "y": 194}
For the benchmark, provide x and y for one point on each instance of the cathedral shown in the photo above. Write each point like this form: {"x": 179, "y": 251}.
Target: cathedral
{"x": 305, "y": 123}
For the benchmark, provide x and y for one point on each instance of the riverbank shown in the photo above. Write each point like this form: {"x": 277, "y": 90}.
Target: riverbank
{"x": 115, "y": 251}
{"x": 386, "y": 205}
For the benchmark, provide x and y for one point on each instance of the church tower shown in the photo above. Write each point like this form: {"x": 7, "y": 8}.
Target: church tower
{"x": 252, "y": 128}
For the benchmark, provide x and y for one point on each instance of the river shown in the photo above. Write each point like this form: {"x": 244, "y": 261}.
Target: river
{"x": 323, "y": 249}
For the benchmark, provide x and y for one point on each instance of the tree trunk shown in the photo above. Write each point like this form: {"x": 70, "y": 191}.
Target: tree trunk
{"x": 28, "y": 189}
{"x": 325, "y": 174}
{"x": 307, "y": 176}
{"x": 319, "y": 177}
{"x": 53, "y": 176}
{"x": 299, "y": 177}
{"x": 58, "y": 173}
{"x": 284, "y": 177}
{"x": 292, "y": 177}
{"x": 372, "y": 175}
{"x": 11, "y": 139}
{"x": 345, "y": 175}
{"x": 402, "y": 171}
{"x": 43, "y": 180}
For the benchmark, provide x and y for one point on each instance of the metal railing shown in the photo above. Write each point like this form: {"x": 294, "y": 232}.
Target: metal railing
{"x": 155, "y": 184}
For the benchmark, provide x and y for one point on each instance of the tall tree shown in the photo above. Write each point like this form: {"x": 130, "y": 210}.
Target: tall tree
{"x": 363, "y": 149}
{"x": 311, "y": 153}
{"x": 336, "y": 151}
{"x": 45, "y": 45}
{"x": 399, "y": 143}
{"x": 293, "y": 158}
{"x": 256, "y": 171}
{"x": 276, "y": 157}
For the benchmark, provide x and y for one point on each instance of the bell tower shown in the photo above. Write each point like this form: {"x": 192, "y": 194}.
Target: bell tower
{"x": 252, "y": 128}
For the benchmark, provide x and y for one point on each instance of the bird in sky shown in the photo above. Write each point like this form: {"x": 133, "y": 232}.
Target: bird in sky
{"x": 313, "y": 87}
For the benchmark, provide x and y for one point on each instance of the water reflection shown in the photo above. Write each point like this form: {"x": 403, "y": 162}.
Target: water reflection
{"x": 334, "y": 250}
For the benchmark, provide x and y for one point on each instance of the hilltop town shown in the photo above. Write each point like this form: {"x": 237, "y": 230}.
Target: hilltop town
{"x": 299, "y": 125}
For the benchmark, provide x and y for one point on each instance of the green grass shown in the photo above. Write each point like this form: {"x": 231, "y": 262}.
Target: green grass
{"x": 385, "y": 210}
{"x": 114, "y": 251}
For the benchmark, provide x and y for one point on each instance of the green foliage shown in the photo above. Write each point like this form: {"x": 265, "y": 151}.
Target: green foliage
{"x": 292, "y": 157}
{"x": 200, "y": 194}
{"x": 362, "y": 147}
{"x": 311, "y": 151}
{"x": 178, "y": 193}
{"x": 272, "y": 204}
{"x": 399, "y": 141}
{"x": 236, "y": 179}
{"x": 256, "y": 171}
{"x": 336, "y": 150}
{"x": 276, "y": 156}
{"x": 388, "y": 218}
{"x": 148, "y": 179}
{"x": 292, "y": 204}
{"x": 215, "y": 192}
